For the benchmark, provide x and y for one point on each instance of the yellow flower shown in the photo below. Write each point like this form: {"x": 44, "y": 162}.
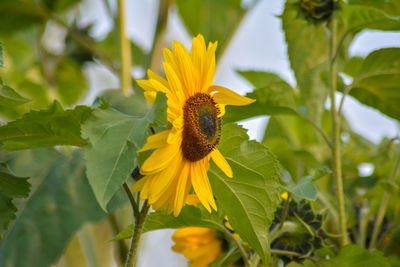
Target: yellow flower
{"x": 199, "y": 245}
{"x": 195, "y": 107}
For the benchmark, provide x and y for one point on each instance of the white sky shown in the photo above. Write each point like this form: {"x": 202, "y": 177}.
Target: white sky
{"x": 258, "y": 45}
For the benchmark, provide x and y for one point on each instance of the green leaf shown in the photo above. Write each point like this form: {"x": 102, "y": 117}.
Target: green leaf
{"x": 8, "y": 97}
{"x": 189, "y": 216}
{"x": 45, "y": 128}
{"x": 71, "y": 82}
{"x": 55, "y": 211}
{"x": 227, "y": 259}
{"x": 216, "y": 20}
{"x": 115, "y": 139}
{"x": 377, "y": 84}
{"x": 306, "y": 188}
{"x": 353, "y": 66}
{"x": 357, "y": 18}
{"x": 11, "y": 186}
{"x": 274, "y": 96}
{"x": 307, "y": 50}
{"x": 250, "y": 198}
{"x": 354, "y": 256}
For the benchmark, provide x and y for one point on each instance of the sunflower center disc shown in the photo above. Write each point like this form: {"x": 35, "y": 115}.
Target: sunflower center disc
{"x": 202, "y": 127}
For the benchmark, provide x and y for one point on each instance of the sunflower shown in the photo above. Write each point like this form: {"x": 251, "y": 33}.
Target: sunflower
{"x": 181, "y": 154}
{"x": 199, "y": 245}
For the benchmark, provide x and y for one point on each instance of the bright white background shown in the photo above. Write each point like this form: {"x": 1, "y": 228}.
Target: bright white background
{"x": 258, "y": 45}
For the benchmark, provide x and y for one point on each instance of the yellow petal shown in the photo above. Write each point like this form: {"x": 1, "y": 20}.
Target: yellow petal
{"x": 226, "y": 96}
{"x": 146, "y": 85}
{"x": 160, "y": 158}
{"x": 181, "y": 189}
{"x": 163, "y": 180}
{"x": 185, "y": 67}
{"x": 150, "y": 95}
{"x": 154, "y": 76}
{"x": 173, "y": 79}
{"x": 201, "y": 185}
{"x": 198, "y": 186}
{"x": 221, "y": 108}
{"x": 137, "y": 186}
{"x": 155, "y": 141}
{"x": 209, "y": 66}
{"x": 221, "y": 162}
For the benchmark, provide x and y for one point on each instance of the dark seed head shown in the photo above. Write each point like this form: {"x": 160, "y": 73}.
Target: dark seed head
{"x": 202, "y": 127}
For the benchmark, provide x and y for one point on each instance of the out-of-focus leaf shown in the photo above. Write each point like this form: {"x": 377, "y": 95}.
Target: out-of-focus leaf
{"x": 377, "y": 84}
{"x": 18, "y": 14}
{"x": 1, "y": 54}
{"x": 110, "y": 47}
{"x": 353, "y": 66}
{"x": 11, "y": 186}
{"x": 354, "y": 256}
{"x": 260, "y": 78}
{"x": 390, "y": 7}
{"x": 70, "y": 80}
{"x": 357, "y": 18}
{"x": 216, "y": 20}
{"x": 45, "y": 128}
{"x": 307, "y": 50}
{"x": 115, "y": 139}
{"x": 250, "y": 198}
{"x": 274, "y": 97}
{"x": 57, "y": 209}
{"x": 8, "y": 97}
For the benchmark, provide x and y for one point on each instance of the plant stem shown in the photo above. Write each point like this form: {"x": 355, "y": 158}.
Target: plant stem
{"x": 292, "y": 253}
{"x": 384, "y": 203}
{"x": 238, "y": 244}
{"x": 285, "y": 210}
{"x": 131, "y": 258}
{"x": 125, "y": 51}
{"x": 134, "y": 205}
{"x": 337, "y": 169}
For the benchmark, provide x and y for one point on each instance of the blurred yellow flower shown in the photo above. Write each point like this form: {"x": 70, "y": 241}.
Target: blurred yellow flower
{"x": 182, "y": 153}
{"x": 199, "y": 245}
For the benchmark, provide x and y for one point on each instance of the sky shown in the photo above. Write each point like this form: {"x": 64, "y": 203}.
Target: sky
{"x": 258, "y": 45}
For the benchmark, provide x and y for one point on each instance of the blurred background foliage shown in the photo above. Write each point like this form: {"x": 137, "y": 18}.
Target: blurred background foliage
{"x": 48, "y": 211}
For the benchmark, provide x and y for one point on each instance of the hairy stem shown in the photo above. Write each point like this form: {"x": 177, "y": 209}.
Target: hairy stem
{"x": 131, "y": 258}
{"x": 384, "y": 203}
{"x": 239, "y": 245}
{"x": 337, "y": 169}
{"x": 125, "y": 51}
